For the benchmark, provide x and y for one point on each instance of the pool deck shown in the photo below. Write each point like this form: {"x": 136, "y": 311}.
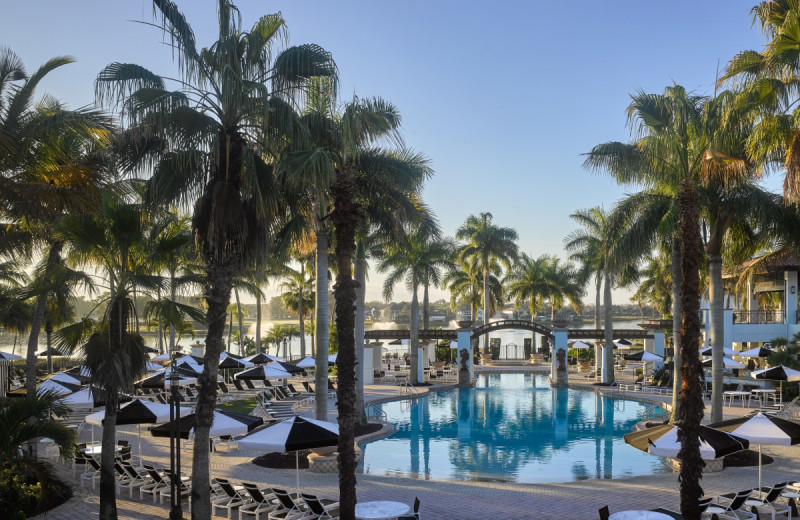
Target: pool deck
{"x": 449, "y": 500}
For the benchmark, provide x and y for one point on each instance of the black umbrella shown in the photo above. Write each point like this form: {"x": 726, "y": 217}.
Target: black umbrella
{"x": 624, "y": 341}
{"x": 292, "y": 369}
{"x": 662, "y": 441}
{"x": 756, "y": 352}
{"x": 643, "y": 355}
{"x": 226, "y": 360}
{"x": 52, "y": 351}
{"x": 225, "y": 423}
{"x": 151, "y": 350}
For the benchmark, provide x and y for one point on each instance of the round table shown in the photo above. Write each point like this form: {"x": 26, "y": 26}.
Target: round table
{"x": 380, "y": 510}
{"x": 732, "y": 394}
{"x": 97, "y": 450}
{"x": 639, "y": 515}
{"x": 764, "y": 394}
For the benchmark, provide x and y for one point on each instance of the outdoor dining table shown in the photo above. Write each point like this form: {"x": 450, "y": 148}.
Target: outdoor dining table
{"x": 380, "y": 510}
{"x": 764, "y": 394}
{"x": 639, "y": 514}
{"x": 97, "y": 450}
{"x": 741, "y": 394}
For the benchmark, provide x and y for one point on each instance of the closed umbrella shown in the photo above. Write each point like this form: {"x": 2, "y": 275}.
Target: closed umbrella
{"x": 293, "y": 434}
{"x": 726, "y": 362}
{"x": 138, "y": 412}
{"x": 726, "y": 351}
{"x": 264, "y": 372}
{"x": 762, "y": 429}
{"x": 662, "y": 441}
{"x": 224, "y": 423}
{"x": 756, "y": 352}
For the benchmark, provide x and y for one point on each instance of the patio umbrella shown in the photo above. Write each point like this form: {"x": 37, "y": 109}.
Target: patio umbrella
{"x": 81, "y": 399}
{"x": 152, "y": 367}
{"x": 662, "y": 441}
{"x": 726, "y": 351}
{"x": 8, "y": 356}
{"x": 579, "y": 345}
{"x": 762, "y": 429}
{"x": 306, "y": 362}
{"x": 757, "y": 352}
{"x": 151, "y": 350}
{"x": 161, "y": 380}
{"x": 726, "y": 362}
{"x": 395, "y": 342}
{"x": 454, "y": 344}
{"x": 225, "y": 423}
{"x": 138, "y": 412}
{"x": 52, "y": 351}
{"x": 644, "y": 356}
{"x": 68, "y": 378}
{"x": 228, "y": 361}
{"x": 622, "y": 346}
{"x": 332, "y": 358}
{"x": 293, "y": 434}
{"x": 264, "y": 372}
{"x": 59, "y": 387}
{"x": 288, "y": 367}
{"x": 165, "y": 356}
{"x": 779, "y": 373}
{"x": 623, "y": 341}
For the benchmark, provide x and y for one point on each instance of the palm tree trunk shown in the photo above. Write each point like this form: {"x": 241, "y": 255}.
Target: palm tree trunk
{"x": 172, "y": 331}
{"x": 160, "y": 330}
{"x": 241, "y": 328}
{"x": 301, "y": 311}
{"x": 345, "y": 219}
{"x": 53, "y": 257}
{"x": 425, "y": 307}
{"x": 598, "y": 353}
{"x": 321, "y": 328}
{"x": 486, "y": 308}
{"x": 608, "y": 333}
{"x": 715, "y": 318}
{"x": 676, "y": 328}
{"x": 413, "y": 343}
{"x": 48, "y": 330}
{"x": 258, "y": 323}
{"x": 691, "y": 397}
{"x": 219, "y": 283}
{"x": 108, "y": 496}
{"x": 360, "y": 273}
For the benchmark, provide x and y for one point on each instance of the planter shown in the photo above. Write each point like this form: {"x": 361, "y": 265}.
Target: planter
{"x": 536, "y": 359}
{"x": 486, "y": 359}
{"x": 584, "y": 365}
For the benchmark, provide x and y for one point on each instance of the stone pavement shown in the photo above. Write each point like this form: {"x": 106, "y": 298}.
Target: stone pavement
{"x": 457, "y": 499}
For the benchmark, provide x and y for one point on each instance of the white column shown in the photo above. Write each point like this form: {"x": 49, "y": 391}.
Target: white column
{"x": 658, "y": 345}
{"x": 367, "y": 374}
{"x": 790, "y": 297}
{"x": 463, "y": 336}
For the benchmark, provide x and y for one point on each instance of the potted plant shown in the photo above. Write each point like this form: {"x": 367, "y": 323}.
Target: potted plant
{"x": 585, "y": 357}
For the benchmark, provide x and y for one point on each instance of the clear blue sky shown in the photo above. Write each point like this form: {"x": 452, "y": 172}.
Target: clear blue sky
{"x": 503, "y": 97}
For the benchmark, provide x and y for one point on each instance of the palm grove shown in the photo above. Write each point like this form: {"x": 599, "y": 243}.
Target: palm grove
{"x": 241, "y": 163}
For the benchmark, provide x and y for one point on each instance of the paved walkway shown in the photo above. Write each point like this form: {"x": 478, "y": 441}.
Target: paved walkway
{"x": 457, "y": 500}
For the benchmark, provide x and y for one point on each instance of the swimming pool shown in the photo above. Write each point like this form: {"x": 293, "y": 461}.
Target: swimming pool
{"x": 511, "y": 428}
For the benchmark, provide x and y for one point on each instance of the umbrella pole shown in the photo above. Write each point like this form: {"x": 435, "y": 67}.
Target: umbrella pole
{"x": 297, "y": 471}
{"x": 139, "y": 427}
{"x": 759, "y": 468}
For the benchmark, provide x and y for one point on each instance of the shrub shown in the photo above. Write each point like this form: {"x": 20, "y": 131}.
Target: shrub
{"x": 17, "y": 495}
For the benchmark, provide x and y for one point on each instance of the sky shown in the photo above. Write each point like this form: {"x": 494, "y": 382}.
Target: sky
{"x": 503, "y": 97}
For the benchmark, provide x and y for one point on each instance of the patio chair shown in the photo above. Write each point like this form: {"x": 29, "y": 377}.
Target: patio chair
{"x": 732, "y": 506}
{"x": 230, "y": 499}
{"x": 769, "y": 501}
{"x": 91, "y": 471}
{"x": 225, "y": 440}
{"x": 135, "y": 479}
{"x": 260, "y": 503}
{"x": 184, "y": 490}
{"x": 155, "y": 486}
{"x": 415, "y": 516}
{"x": 238, "y": 385}
{"x": 249, "y": 384}
{"x": 79, "y": 460}
{"x": 320, "y": 508}
{"x": 604, "y": 513}
{"x": 289, "y": 508}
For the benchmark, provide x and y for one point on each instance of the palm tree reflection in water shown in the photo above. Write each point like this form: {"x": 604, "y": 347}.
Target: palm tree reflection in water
{"x": 520, "y": 432}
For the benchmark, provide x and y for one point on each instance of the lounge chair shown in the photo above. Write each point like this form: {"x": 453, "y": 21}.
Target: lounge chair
{"x": 732, "y": 506}
{"x": 769, "y": 501}
{"x": 184, "y": 490}
{"x": 155, "y": 486}
{"x": 260, "y": 503}
{"x": 289, "y": 508}
{"x": 230, "y": 500}
{"x": 92, "y": 472}
{"x": 135, "y": 480}
{"x": 238, "y": 385}
{"x": 604, "y": 513}
{"x": 249, "y": 384}
{"x": 320, "y": 508}
{"x": 415, "y": 516}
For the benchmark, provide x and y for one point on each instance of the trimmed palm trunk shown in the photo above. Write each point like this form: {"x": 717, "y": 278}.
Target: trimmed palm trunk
{"x": 676, "y": 328}
{"x": 48, "y": 331}
{"x": 426, "y": 312}
{"x": 321, "y": 328}
{"x": 691, "y": 397}
{"x": 219, "y": 276}
{"x": 360, "y": 273}
{"x": 241, "y": 328}
{"x": 608, "y": 333}
{"x": 598, "y": 353}
{"x": 258, "y": 322}
{"x": 345, "y": 219}
{"x": 715, "y": 319}
{"x": 301, "y": 311}
{"x": 486, "y": 308}
{"x": 413, "y": 343}
{"x": 108, "y": 492}
{"x": 38, "y": 317}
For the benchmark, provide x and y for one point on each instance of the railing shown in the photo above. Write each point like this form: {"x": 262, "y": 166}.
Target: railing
{"x": 375, "y": 412}
{"x": 650, "y": 412}
{"x": 408, "y": 388}
{"x": 758, "y": 317}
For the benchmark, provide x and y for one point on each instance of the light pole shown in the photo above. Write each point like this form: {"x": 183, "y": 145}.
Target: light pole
{"x": 175, "y": 512}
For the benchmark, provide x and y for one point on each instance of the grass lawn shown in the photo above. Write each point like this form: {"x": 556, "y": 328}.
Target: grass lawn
{"x": 244, "y": 406}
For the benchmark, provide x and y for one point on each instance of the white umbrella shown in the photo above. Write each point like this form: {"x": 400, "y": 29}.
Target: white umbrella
{"x": 306, "y": 362}
{"x": 332, "y": 358}
{"x": 579, "y": 345}
{"x": 9, "y": 356}
{"x": 622, "y": 346}
{"x": 80, "y": 399}
{"x": 756, "y": 352}
{"x": 263, "y": 372}
{"x": 726, "y": 362}
{"x": 762, "y": 429}
{"x": 662, "y": 441}
{"x": 644, "y": 356}
{"x": 65, "y": 378}
{"x": 161, "y": 379}
{"x": 152, "y": 367}
{"x": 454, "y": 344}
{"x": 60, "y": 388}
{"x": 293, "y": 434}
{"x": 726, "y": 351}
{"x": 166, "y": 356}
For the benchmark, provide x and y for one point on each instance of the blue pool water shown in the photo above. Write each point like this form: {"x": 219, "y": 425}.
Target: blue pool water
{"x": 513, "y": 428}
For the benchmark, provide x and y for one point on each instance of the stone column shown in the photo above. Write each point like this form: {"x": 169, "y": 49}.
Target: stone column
{"x": 464, "y": 358}
{"x": 559, "y": 370}
{"x": 367, "y": 374}
{"x": 790, "y": 303}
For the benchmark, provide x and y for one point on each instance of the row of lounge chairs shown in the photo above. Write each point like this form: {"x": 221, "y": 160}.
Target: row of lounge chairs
{"x": 779, "y": 499}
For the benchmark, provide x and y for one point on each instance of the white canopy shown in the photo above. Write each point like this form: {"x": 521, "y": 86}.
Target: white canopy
{"x": 306, "y": 362}
{"x": 65, "y": 378}
{"x": 80, "y": 399}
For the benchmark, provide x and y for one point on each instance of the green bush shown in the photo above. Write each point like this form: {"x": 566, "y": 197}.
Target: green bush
{"x": 17, "y": 495}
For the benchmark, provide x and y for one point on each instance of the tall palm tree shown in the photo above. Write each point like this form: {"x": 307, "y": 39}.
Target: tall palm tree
{"x": 412, "y": 260}
{"x": 299, "y": 297}
{"x": 465, "y": 283}
{"x": 487, "y": 244}
{"x": 48, "y": 168}
{"x": 207, "y": 142}
{"x": 563, "y": 285}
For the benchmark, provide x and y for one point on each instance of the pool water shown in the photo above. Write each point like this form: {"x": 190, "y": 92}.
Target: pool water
{"x": 511, "y": 428}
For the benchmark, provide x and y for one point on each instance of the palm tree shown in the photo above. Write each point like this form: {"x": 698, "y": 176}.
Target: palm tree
{"x": 208, "y": 141}
{"x": 487, "y": 244}
{"x": 48, "y": 169}
{"x": 465, "y": 283}
{"x": 299, "y": 297}
{"x": 418, "y": 256}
